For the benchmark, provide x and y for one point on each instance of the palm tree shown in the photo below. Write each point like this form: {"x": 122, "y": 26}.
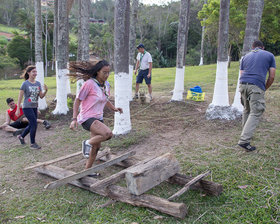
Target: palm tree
{"x": 62, "y": 58}
{"x": 83, "y": 35}
{"x": 182, "y": 38}
{"x": 132, "y": 40}
{"x": 39, "y": 50}
{"x": 220, "y": 99}
{"x": 253, "y": 24}
{"x": 122, "y": 124}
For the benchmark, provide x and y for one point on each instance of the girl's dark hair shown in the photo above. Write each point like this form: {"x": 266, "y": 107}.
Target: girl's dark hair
{"x": 86, "y": 70}
{"x": 25, "y": 74}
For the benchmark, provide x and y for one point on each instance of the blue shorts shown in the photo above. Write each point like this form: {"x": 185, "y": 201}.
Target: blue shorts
{"x": 143, "y": 75}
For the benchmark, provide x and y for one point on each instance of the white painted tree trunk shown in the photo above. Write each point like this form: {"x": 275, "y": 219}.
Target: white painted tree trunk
{"x": 62, "y": 58}
{"x": 61, "y": 93}
{"x": 253, "y": 24}
{"x": 68, "y": 87}
{"x": 179, "y": 84}
{"x": 80, "y": 82}
{"x": 42, "y": 104}
{"x": 130, "y": 82}
{"x": 237, "y": 97}
{"x": 122, "y": 124}
{"x": 182, "y": 38}
{"x": 220, "y": 97}
{"x": 202, "y": 45}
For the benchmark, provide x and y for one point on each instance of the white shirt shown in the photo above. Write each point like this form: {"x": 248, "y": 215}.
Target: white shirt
{"x": 146, "y": 59}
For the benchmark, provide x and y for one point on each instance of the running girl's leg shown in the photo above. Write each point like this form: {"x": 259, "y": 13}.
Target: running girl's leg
{"x": 99, "y": 133}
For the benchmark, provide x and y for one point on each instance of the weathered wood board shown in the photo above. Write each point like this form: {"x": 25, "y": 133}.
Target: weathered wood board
{"x": 144, "y": 177}
{"x": 86, "y": 172}
{"x": 118, "y": 193}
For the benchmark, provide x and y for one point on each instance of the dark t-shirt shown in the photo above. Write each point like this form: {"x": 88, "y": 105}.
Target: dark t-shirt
{"x": 255, "y": 66}
{"x": 31, "y": 94}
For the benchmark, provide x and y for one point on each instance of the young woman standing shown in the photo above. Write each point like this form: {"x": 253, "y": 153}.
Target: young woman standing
{"x": 31, "y": 90}
{"x": 92, "y": 99}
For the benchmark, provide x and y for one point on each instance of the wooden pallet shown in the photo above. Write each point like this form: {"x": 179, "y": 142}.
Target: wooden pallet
{"x": 108, "y": 188}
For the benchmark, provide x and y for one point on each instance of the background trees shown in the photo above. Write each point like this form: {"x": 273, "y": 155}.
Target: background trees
{"x": 157, "y": 28}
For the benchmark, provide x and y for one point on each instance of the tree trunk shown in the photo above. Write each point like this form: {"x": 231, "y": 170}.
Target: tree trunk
{"x": 181, "y": 50}
{"x": 83, "y": 36}
{"x": 62, "y": 58}
{"x": 220, "y": 97}
{"x": 202, "y": 41}
{"x": 253, "y": 24}
{"x": 39, "y": 51}
{"x": 122, "y": 124}
{"x": 132, "y": 45}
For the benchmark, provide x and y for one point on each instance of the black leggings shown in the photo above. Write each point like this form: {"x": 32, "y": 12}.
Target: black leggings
{"x": 31, "y": 115}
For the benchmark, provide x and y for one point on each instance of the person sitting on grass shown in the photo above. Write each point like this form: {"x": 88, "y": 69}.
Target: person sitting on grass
{"x": 19, "y": 122}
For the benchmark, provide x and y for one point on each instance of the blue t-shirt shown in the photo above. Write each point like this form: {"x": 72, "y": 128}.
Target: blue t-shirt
{"x": 255, "y": 66}
{"x": 31, "y": 93}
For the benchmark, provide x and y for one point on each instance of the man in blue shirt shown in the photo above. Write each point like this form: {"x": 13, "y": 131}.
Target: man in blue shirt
{"x": 253, "y": 84}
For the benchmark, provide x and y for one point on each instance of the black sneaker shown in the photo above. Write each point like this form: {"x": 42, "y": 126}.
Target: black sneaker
{"x": 47, "y": 124}
{"x": 35, "y": 146}
{"x": 18, "y": 132}
{"x": 86, "y": 149}
{"x": 21, "y": 139}
{"x": 248, "y": 147}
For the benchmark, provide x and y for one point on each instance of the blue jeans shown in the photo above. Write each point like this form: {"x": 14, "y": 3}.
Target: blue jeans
{"x": 31, "y": 115}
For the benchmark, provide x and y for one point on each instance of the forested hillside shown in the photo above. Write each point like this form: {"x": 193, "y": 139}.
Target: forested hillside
{"x": 156, "y": 27}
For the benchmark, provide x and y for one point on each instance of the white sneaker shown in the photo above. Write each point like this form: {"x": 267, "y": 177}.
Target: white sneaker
{"x": 86, "y": 149}
{"x": 151, "y": 98}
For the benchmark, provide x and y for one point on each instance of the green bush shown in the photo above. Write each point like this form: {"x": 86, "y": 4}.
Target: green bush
{"x": 8, "y": 66}
{"x": 19, "y": 48}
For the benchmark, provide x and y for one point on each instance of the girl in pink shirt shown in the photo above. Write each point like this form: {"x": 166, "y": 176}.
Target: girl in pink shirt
{"x": 92, "y": 99}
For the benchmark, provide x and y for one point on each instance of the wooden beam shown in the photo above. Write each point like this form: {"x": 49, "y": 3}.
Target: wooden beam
{"x": 209, "y": 187}
{"x": 118, "y": 193}
{"x": 99, "y": 155}
{"x": 144, "y": 177}
{"x": 187, "y": 186}
{"x": 86, "y": 172}
{"x": 103, "y": 184}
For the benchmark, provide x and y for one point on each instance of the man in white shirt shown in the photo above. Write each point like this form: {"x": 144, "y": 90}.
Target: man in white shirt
{"x": 144, "y": 65}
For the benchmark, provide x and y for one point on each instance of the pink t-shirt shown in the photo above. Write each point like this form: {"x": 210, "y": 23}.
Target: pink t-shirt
{"x": 93, "y": 100}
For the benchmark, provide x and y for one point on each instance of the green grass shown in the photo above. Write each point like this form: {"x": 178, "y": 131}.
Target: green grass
{"x": 8, "y": 29}
{"x": 198, "y": 145}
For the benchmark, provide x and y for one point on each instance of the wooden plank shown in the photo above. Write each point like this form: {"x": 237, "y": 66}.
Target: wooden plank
{"x": 209, "y": 187}
{"x": 88, "y": 171}
{"x": 118, "y": 193}
{"x": 144, "y": 177}
{"x": 53, "y": 160}
{"x": 99, "y": 155}
{"x": 103, "y": 184}
{"x": 105, "y": 152}
{"x": 187, "y": 186}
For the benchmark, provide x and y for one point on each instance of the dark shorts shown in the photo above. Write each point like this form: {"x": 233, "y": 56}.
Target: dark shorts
{"x": 86, "y": 125}
{"x": 19, "y": 124}
{"x": 143, "y": 75}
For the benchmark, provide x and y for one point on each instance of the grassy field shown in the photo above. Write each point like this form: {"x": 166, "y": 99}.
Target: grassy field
{"x": 8, "y": 29}
{"x": 251, "y": 181}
